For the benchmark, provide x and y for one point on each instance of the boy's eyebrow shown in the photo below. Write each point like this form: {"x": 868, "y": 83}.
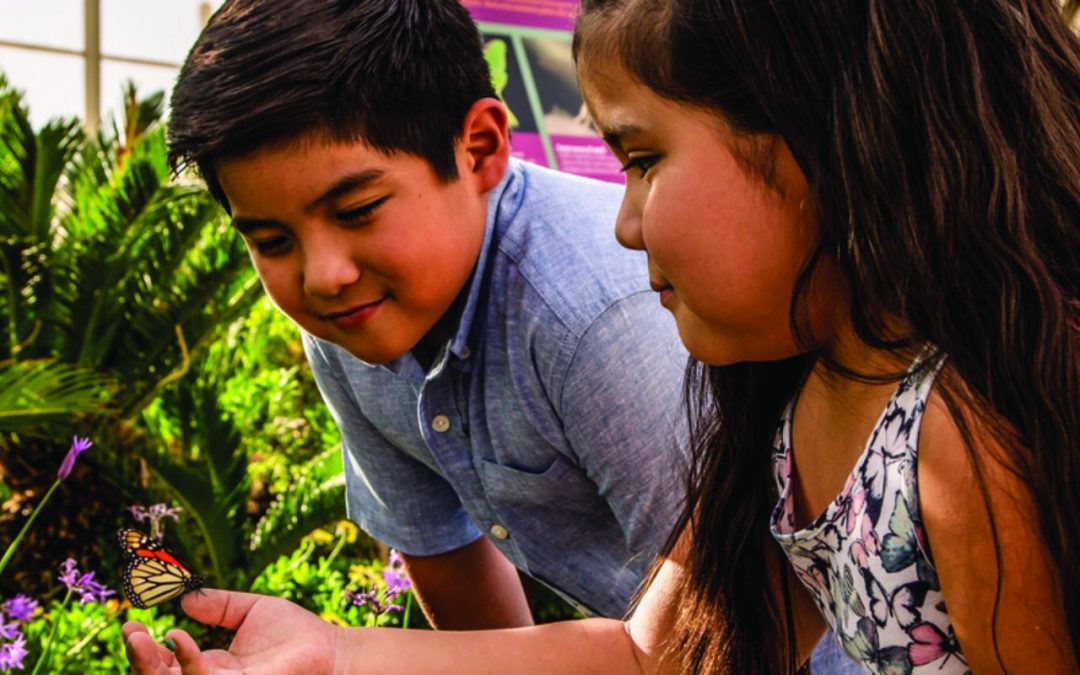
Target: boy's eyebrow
{"x": 247, "y": 225}
{"x": 345, "y": 185}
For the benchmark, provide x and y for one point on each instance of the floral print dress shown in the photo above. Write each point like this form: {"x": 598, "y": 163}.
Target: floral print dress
{"x": 865, "y": 560}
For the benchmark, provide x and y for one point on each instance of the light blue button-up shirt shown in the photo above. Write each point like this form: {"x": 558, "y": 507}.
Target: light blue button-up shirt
{"x": 552, "y": 420}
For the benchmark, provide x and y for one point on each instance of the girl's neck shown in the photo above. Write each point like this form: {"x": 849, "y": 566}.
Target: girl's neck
{"x": 839, "y": 403}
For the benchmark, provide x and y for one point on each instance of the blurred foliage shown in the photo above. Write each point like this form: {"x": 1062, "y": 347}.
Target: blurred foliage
{"x": 317, "y": 574}
{"x": 88, "y": 638}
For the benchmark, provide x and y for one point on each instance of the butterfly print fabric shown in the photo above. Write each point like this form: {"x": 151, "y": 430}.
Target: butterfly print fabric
{"x": 865, "y": 560}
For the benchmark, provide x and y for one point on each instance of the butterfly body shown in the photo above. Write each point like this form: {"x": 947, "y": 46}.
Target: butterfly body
{"x": 153, "y": 575}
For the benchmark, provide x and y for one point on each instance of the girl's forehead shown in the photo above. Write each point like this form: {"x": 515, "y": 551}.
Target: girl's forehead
{"x": 604, "y": 81}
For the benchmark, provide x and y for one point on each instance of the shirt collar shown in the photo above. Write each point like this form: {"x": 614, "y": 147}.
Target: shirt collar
{"x": 460, "y": 343}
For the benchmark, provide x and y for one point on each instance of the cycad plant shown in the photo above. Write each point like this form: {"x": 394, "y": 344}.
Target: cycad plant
{"x": 113, "y": 277}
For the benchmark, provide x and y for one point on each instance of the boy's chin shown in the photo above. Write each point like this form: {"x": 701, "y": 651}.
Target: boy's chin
{"x": 375, "y": 356}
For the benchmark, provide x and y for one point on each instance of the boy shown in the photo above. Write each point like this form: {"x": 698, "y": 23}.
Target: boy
{"x": 506, "y": 385}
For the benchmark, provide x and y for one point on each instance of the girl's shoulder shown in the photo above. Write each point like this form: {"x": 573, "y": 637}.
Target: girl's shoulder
{"x": 980, "y": 522}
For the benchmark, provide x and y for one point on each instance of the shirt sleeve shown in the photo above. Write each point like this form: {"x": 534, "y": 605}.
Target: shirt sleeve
{"x": 391, "y": 495}
{"x": 622, "y": 409}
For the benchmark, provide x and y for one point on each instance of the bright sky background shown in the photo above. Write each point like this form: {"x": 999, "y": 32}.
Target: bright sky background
{"x": 155, "y": 30}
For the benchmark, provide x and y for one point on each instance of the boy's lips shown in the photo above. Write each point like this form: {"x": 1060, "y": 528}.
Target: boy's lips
{"x": 354, "y": 316}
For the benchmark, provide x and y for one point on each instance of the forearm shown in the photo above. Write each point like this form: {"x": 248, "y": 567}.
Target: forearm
{"x": 585, "y": 646}
{"x": 472, "y": 588}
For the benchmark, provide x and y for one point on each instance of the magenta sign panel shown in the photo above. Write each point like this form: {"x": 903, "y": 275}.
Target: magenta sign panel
{"x": 527, "y": 47}
{"x": 548, "y": 14}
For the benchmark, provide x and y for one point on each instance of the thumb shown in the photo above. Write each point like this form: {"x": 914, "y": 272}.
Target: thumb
{"x": 227, "y": 609}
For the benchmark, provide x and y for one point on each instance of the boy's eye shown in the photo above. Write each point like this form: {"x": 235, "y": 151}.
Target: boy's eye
{"x": 271, "y": 246}
{"x": 360, "y": 212}
{"x": 642, "y": 163}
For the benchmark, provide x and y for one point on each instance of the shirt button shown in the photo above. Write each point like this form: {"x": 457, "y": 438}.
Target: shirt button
{"x": 499, "y": 532}
{"x": 440, "y": 423}
{"x": 465, "y": 353}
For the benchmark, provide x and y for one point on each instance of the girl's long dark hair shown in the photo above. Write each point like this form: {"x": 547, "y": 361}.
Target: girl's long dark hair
{"x": 941, "y": 142}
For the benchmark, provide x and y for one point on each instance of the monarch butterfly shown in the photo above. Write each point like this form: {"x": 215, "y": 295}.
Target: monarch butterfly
{"x": 152, "y": 575}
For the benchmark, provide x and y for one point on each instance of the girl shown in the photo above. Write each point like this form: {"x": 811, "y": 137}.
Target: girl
{"x": 865, "y": 218}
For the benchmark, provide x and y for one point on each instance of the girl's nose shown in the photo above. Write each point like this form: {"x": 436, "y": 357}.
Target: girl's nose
{"x": 628, "y": 224}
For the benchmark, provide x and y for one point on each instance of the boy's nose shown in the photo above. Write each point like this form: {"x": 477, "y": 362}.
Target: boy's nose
{"x": 328, "y": 272}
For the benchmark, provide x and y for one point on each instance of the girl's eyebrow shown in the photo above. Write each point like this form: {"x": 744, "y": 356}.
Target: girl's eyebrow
{"x": 613, "y": 135}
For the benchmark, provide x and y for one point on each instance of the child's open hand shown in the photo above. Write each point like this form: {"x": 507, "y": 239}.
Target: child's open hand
{"x": 272, "y": 636}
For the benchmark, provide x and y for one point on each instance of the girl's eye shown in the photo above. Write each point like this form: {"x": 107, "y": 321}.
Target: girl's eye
{"x": 642, "y": 163}
{"x": 272, "y": 246}
{"x": 360, "y": 212}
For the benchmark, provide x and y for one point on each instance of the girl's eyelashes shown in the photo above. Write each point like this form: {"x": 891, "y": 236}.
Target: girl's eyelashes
{"x": 360, "y": 212}
{"x": 642, "y": 163}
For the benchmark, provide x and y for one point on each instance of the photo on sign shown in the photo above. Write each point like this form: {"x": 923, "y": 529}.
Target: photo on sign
{"x": 556, "y": 84}
{"x": 506, "y": 79}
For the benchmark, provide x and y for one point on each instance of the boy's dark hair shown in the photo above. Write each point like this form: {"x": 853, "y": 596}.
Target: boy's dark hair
{"x": 398, "y": 75}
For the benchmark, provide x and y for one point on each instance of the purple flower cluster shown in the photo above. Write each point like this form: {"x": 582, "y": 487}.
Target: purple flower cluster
{"x": 19, "y": 609}
{"x": 12, "y": 655}
{"x": 154, "y": 515}
{"x": 380, "y": 602}
{"x": 83, "y": 584}
{"x": 376, "y": 602}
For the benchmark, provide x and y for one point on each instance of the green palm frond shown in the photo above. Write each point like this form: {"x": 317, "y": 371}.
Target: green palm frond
{"x": 162, "y": 258}
{"x": 30, "y": 169}
{"x": 205, "y": 469}
{"x": 313, "y": 499}
{"x": 34, "y": 393}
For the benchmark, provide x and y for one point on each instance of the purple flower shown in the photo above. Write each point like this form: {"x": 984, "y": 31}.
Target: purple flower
{"x": 395, "y": 560}
{"x": 78, "y": 446}
{"x": 12, "y": 655}
{"x": 397, "y": 582}
{"x": 20, "y": 608}
{"x": 9, "y": 631}
{"x": 83, "y": 584}
{"x": 377, "y": 605}
{"x": 155, "y": 514}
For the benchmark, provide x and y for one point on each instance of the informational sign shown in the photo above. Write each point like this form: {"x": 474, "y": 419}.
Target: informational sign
{"x": 527, "y": 47}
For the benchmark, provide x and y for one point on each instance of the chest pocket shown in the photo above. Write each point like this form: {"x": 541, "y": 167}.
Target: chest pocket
{"x": 558, "y": 492}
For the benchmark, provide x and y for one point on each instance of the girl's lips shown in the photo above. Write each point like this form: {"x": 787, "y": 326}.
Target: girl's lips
{"x": 664, "y": 289}
{"x": 351, "y": 318}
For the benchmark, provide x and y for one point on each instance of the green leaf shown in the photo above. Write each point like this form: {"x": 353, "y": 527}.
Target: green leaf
{"x": 313, "y": 499}
{"x": 33, "y": 393}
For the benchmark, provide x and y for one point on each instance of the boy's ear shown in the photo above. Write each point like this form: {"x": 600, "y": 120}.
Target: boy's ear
{"x": 485, "y": 140}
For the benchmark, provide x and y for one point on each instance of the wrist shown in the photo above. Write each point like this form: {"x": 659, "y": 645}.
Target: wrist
{"x": 342, "y": 648}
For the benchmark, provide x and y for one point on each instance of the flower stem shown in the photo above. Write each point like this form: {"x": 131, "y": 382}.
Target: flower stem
{"x": 93, "y": 633}
{"x": 334, "y": 553}
{"x": 44, "y": 659}
{"x": 26, "y": 528}
{"x": 408, "y": 606}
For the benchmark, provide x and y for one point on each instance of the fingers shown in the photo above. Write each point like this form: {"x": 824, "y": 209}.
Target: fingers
{"x": 219, "y": 608}
{"x": 146, "y": 656}
{"x": 188, "y": 654}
